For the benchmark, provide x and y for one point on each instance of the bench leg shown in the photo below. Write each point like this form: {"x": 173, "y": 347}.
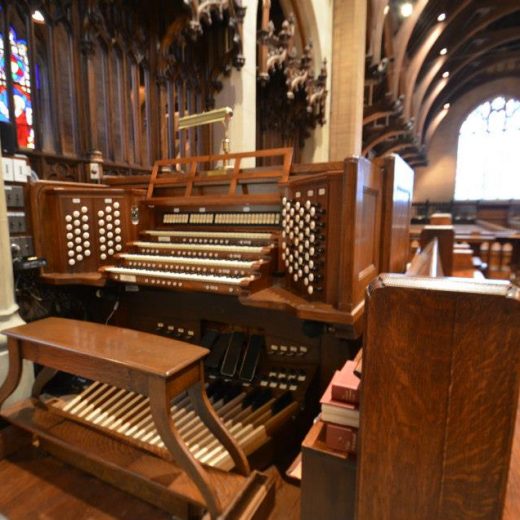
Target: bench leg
{"x": 212, "y": 421}
{"x": 15, "y": 370}
{"x": 43, "y": 377}
{"x": 160, "y": 407}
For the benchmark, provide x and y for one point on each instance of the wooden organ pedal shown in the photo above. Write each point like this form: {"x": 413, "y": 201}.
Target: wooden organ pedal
{"x": 149, "y": 394}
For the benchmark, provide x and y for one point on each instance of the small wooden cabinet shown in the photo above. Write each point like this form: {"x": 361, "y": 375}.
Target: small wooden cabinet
{"x": 328, "y": 479}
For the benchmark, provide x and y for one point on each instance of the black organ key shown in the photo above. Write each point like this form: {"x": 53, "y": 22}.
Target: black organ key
{"x": 251, "y": 358}
{"x": 208, "y": 340}
{"x": 282, "y": 402}
{"x": 232, "y": 355}
{"x": 213, "y": 361}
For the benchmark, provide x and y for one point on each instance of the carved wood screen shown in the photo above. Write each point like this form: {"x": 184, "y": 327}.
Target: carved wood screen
{"x": 114, "y": 76}
{"x": 291, "y": 96}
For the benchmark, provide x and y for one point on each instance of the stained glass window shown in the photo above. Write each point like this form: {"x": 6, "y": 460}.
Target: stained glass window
{"x": 488, "y": 158}
{"x": 4, "y": 104}
{"x": 22, "y": 100}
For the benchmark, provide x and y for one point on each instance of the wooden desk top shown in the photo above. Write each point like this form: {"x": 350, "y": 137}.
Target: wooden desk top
{"x": 145, "y": 353}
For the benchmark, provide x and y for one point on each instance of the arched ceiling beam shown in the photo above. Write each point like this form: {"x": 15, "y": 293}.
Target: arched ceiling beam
{"x": 372, "y": 117}
{"x": 467, "y": 79}
{"x": 382, "y": 138}
{"x": 377, "y": 8}
{"x": 401, "y": 43}
{"x": 426, "y": 82}
{"x": 395, "y": 148}
{"x": 493, "y": 40}
{"x": 432, "y": 128}
{"x": 412, "y": 72}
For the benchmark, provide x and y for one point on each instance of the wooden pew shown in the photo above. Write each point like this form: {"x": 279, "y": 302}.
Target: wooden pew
{"x": 439, "y": 398}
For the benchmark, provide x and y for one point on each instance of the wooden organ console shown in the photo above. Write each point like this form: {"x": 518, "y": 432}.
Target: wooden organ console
{"x": 265, "y": 267}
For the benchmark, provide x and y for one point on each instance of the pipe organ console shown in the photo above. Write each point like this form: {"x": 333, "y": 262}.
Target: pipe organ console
{"x": 266, "y": 267}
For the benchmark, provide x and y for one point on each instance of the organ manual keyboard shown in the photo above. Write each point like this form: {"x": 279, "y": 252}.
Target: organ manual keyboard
{"x": 211, "y": 230}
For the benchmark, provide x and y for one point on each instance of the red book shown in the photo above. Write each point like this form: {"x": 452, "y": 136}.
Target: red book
{"x": 338, "y": 412}
{"x": 345, "y": 384}
{"x": 340, "y": 437}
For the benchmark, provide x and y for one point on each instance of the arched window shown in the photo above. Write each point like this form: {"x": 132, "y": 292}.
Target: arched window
{"x": 488, "y": 158}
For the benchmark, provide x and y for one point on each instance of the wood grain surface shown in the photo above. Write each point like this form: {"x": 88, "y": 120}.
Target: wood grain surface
{"x": 440, "y": 393}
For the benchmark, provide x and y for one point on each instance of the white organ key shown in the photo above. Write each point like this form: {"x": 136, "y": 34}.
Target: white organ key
{"x": 201, "y": 247}
{"x": 179, "y": 276}
{"x": 243, "y": 264}
{"x": 86, "y": 392}
{"x": 209, "y": 234}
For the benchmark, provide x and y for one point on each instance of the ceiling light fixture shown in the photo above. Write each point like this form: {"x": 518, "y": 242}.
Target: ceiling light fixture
{"x": 38, "y": 17}
{"x": 447, "y": 106}
{"x": 446, "y": 75}
{"x": 406, "y": 9}
{"x": 443, "y": 52}
{"x": 441, "y": 17}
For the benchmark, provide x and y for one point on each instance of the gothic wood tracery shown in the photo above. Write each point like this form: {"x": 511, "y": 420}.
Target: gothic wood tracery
{"x": 291, "y": 96}
{"x": 101, "y": 84}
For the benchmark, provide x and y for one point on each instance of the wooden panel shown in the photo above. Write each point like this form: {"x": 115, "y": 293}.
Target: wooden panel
{"x": 398, "y": 180}
{"x": 362, "y": 248}
{"x": 446, "y": 237}
{"x": 441, "y": 375}
{"x": 328, "y": 479}
{"x": 79, "y": 228}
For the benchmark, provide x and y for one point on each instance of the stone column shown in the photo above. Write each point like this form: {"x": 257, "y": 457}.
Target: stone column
{"x": 8, "y": 309}
{"x": 348, "y": 78}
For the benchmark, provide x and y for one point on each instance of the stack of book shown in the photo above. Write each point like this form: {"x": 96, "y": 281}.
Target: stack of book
{"x": 340, "y": 409}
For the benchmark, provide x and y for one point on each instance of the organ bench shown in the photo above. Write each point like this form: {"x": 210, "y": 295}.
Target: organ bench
{"x": 157, "y": 369}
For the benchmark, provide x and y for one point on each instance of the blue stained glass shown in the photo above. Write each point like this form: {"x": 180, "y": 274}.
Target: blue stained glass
{"x": 4, "y": 103}
{"x": 21, "y": 90}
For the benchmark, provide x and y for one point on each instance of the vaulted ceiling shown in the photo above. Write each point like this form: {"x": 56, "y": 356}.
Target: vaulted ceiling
{"x": 428, "y": 60}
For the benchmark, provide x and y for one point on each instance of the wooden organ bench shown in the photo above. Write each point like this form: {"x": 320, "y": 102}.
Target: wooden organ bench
{"x": 150, "y": 371}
